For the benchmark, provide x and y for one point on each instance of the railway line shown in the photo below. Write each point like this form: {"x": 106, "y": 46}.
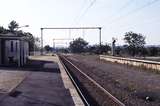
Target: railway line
{"x": 91, "y": 92}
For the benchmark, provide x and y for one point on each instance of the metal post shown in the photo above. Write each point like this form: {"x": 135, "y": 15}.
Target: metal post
{"x": 41, "y": 41}
{"x": 100, "y": 38}
{"x": 34, "y": 53}
{"x": 83, "y": 33}
{"x": 53, "y": 46}
{"x": 69, "y": 33}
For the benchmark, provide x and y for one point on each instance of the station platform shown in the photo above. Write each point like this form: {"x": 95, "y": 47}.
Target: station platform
{"x": 43, "y": 82}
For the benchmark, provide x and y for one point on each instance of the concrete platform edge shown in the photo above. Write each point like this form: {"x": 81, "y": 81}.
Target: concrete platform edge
{"x": 68, "y": 85}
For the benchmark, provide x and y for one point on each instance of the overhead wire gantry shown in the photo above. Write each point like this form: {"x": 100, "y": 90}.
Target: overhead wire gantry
{"x": 99, "y": 28}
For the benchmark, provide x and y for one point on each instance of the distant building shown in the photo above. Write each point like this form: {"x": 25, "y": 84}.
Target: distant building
{"x": 14, "y": 50}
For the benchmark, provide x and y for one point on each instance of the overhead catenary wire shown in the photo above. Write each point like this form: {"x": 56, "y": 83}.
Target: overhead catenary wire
{"x": 93, "y": 2}
{"x": 77, "y": 16}
{"x": 149, "y": 21}
{"x": 131, "y": 12}
{"x": 134, "y": 11}
{"x": 123, "y": 7}
{"x": 85, "y": 11}
{"x": 127, "y": 4}
{"x": 77, "y": 19}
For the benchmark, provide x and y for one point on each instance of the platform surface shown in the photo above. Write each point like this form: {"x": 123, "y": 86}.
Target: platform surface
{"x": 43, "y": 82}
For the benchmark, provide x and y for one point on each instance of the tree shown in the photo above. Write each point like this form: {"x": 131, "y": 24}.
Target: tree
{"x": 135, "y": 42}
{"x": 118, "y": 50}
{"x": 13, "y": 25}
{"x": 153, "y": 50}
{"x": 96, "y": 49}
{"x": 63, "y": 50}
{"x": 30, "y": 38}
{"x": 47, "y": 48}
{"x": 3, "y": 30}
{"x": 79, "y": 45}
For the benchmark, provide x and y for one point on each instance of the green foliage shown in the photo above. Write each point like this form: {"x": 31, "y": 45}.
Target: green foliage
{"x": 79, "y": 45}
{"x": 142, "y": 51}
{"x": 3, "y": 30}
{"x": 135, "y": 42}
{"x": 47, "y": 48}
{"x": 134, "y": 39}
{"x": 118, "y": 50}
{"x": 13, "y": 25}
{"x": 153, "y": 51}
{"x": 96, "y": 49}
{"x": 30, "y": 39}
{"x": 62, "y": 50}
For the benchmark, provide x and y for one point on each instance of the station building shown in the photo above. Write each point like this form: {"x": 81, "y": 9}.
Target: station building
{"x": 14, "y": 50}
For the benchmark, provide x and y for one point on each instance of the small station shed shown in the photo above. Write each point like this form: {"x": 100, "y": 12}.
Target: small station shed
{"x": 14, "y": 49}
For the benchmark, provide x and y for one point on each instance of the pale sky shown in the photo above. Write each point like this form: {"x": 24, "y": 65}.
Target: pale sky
{"x": 114, "y": 16}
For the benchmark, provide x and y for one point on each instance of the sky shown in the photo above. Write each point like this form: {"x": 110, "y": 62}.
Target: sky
{"x": 116, "y": 17}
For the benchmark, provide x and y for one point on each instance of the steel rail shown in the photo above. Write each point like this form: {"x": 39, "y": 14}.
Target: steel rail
{"x": 98, "y": 85}
{"x": 74, "y": 83}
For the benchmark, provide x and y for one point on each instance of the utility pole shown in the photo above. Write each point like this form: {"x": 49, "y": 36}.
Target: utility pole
{"x": 54, "y": 48}
{"x": 41, "y": 41}
{"x": 100, "y": 39}
{"x": 113, "y": 45}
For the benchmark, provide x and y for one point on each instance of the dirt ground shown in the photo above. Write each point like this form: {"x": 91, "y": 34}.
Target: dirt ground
{"x": 132, "y": 86}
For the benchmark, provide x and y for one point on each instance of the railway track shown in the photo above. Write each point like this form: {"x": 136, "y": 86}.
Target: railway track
{"x": 91, "y": 92}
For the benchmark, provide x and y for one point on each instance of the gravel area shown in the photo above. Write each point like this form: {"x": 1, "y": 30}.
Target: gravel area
{"x": 132, "y": 86}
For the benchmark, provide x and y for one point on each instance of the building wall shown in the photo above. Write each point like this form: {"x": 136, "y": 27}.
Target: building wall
{"x": 24, "y": 52}
{"x": 12, "y": 51}
{"x": 0, "y": 53}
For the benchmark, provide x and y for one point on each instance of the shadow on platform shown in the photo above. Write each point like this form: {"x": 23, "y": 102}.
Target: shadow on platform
{"x": 35, "y": 66}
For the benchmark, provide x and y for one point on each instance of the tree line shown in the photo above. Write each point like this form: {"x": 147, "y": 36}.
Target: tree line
{"x": 134, "y": 46}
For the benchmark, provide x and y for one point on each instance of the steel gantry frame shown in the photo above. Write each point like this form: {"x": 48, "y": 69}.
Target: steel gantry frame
{"x": 65, "y": 39}
{"x": 69, "y": 28}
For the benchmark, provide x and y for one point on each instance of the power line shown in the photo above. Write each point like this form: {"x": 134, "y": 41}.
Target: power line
{"x": 149, "y": 21}
{"x": 84, "y": 2}
{"x": 86, "y": 10}
{"x": 91, "y": 4}
{"x": 128, "y": 3}
{"x": 135, "y": 10}
{"x": 124, "y": 6}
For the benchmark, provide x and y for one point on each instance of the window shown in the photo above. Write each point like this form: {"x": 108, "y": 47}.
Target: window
{"x": 11, "y": 46}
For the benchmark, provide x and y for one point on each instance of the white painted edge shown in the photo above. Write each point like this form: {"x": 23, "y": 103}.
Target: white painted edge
{"x": 69, "y": 85}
